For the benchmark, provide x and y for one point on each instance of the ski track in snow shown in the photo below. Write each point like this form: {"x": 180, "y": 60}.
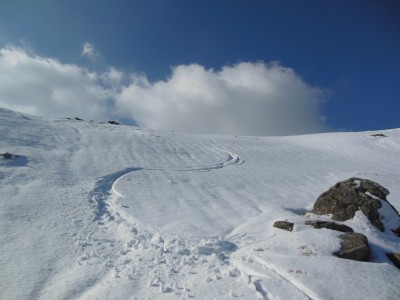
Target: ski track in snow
{"x": 103, "y": 190}
{"x": 174, "y": 263}
{"x": 105, "y": 186}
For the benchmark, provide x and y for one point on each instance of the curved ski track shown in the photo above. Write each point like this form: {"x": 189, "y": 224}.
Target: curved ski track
{"x": 104, "y": 187}
{"x": 159, "y": 256}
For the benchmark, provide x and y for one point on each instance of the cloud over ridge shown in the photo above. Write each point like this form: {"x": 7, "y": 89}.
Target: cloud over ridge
{"x": 244, "y": 99}
{"x": 47, "y": 87}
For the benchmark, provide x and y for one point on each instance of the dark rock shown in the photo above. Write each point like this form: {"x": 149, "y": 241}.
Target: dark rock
{"x": 374, "y": 188}
{"x": 7, "y": 155}
{"x": 284, "y": 225}
{"x": 370, "y": 209}
{"x": 396, "y": 231}
{"x": 114, "y": 123}
{"x": 395, "y": 258}
{"x": 378, "y": 135}
{"x": 351, "y": 195}
{"x": 330, "y": 225}
{"x": 354, "y": 247}
{"x": 78, "y": 119}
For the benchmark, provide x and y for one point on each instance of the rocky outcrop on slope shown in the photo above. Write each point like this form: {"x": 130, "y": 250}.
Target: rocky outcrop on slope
{"x": 346, "y": 197}
{"x": 342, "y": 201}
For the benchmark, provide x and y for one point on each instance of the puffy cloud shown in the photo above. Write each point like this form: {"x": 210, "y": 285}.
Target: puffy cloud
{"x": 112, "y": 78}
{"x": 45, "y": 86}
{"x": 245, "y": 99}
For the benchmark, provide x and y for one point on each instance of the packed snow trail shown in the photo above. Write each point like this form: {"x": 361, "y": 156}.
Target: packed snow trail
{"x": 187, "y": 225}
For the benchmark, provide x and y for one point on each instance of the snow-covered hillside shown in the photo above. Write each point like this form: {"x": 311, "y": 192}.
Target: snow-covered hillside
{"x": 101, "y": 211}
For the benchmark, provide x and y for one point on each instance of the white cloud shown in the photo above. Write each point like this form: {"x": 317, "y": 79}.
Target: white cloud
{"x": 113, "y": 78}
{"x": 246, "y": 99}
{"x": 243, "y": 99}
{"x": 89, "y": 51}
{"x": 45, "y": 86}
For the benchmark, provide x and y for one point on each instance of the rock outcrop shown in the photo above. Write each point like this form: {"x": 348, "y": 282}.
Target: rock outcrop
{"x": 351, "y": 195}
{"x": 342, "y": 201}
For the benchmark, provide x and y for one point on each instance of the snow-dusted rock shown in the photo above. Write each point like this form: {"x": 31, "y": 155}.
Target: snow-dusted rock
{"x": 346, "y": 197}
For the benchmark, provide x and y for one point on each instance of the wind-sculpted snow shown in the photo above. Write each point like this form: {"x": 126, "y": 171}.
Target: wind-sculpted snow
{"x": 97, "y": 211}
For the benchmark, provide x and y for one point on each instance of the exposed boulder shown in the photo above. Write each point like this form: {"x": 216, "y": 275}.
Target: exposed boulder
{"x": 351, "y": 195}
{"x": 285, "y": 225}
{"x": 330, "y": 225}
{"x": 395, "y": 258}
{"x": 354, "y": 247}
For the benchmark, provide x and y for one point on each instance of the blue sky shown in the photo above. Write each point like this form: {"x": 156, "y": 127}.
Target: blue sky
{"x": 348, "y": 50}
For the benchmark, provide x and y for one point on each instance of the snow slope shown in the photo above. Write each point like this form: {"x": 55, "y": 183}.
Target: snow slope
{"x": 99, "y": 211}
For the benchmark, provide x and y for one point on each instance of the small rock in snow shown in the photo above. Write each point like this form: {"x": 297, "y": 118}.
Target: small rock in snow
{"x": 284, "y": 225}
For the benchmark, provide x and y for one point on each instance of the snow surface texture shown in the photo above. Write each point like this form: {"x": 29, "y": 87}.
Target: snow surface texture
{"x": 98, "y": 211}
